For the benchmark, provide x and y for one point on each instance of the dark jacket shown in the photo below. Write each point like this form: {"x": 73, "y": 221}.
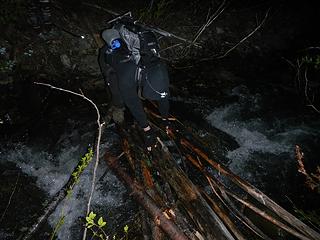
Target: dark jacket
{"x": 121, "y": 75}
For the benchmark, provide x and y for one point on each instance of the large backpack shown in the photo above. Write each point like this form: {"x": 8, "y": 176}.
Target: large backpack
{"x": 142, "y": 43}
{"x": 149, "y": 48}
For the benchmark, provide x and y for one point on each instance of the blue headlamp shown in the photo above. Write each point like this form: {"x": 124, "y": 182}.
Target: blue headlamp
{"x": 115, "y": 44}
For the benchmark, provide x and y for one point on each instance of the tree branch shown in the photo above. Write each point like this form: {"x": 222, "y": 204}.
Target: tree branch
{"x": 214, "y": 16}
{"x": 100, "y": 126}
{"x": 217, "y": 56}
{"x": 246, "y": 37}
{"x": 10, "y": 198}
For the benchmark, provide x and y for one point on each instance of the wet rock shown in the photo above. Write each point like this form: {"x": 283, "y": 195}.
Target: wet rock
{"x": 219, "y": 30}
{"x": 89, "y": 64}
{"x": 65, "y": 61}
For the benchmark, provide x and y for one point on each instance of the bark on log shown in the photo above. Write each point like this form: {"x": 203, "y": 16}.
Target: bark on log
{"x": 257, "y": 194}
{"x": 198, "y": 208}
{"x": 294, "y": 225}
{"x": 230, "y": 205}
{"x": 138, "y": 193}
{"x": 210, "y": 225}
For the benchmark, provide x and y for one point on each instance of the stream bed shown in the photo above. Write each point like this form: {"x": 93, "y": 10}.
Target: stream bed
{"x": 260, "y": 136}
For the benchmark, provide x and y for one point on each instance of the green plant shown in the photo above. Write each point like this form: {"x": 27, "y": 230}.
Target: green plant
{"x": 75, "y": 176}
{"x": 58, "y": 226}
{"x": 97, "y": 227}
{"x": 312, "y": 61}
{"x": 307, "y": 72}
{"x": 83, "y": 163}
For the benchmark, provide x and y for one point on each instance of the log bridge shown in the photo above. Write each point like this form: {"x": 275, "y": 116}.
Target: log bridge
{"x": 187, "y": 194}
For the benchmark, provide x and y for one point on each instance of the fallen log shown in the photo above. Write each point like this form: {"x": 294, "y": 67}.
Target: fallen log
{"x": 142, "y": 197}
{"x": 205, "y": 213}
{"x": 254, "y": 192}
{"x": 226, "y": 201}
{"x": 158, "y": 189}
{"x": 258, "y": 211}
{"x": 185, "y": 146}
{"x": 208, "y": 222}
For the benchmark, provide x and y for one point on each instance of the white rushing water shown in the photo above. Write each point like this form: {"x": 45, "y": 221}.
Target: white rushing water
{"x": 53, "y": 171}
{"x": 257, "y": 135}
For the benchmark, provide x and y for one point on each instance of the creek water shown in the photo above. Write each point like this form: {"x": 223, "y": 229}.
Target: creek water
{"x": 40, "y": 166}
{"x": 267, "y": 135}
{"x": 36, "y": 168}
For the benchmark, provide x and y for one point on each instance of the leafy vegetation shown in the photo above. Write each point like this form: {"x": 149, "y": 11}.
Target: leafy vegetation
{"x": 75, "y": 176}
{"x": 97, "y": 227}
{"x": 312, "y": 61}
{"x": 307, "y": 72}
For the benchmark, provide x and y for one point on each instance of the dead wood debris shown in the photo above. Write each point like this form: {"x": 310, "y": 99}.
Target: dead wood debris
{"x": 185, "y": 208}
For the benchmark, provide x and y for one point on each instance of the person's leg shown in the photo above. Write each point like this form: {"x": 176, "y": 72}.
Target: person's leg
{"x": 113, "y": 84}
{"x": 128, "y": 91}
{"x": 117, "y": 108}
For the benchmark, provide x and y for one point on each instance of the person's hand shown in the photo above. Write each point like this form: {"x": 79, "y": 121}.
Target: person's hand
{"x": 150, "y": 139}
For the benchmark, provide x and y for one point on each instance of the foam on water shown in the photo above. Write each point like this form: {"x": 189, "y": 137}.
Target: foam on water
{"x": 53, "y": 171}
{"x": 256, "y": 135}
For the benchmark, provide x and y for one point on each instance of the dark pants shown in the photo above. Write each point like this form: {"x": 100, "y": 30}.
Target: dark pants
{"x": 124, "y": 91}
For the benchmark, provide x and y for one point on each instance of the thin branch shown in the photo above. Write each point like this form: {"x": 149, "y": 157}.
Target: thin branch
{"x": 10, "y": 198}
{"x": 157, "y": 30}
{"x": 246, "y": 37}
{"x": 214, "y": 16}
{"x": 150, "y": 5}
{"x": 241, "y": 41}
{"x": 306, "y": 92}
{"x": 172, "y": 46}
{"x": 268, "y": 217}
{"x": 101, "y": 8}
{"x": 289, "y": 62}
{"x": 100, "y": 125}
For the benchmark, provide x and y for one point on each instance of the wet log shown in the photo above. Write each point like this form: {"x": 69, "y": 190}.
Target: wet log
{"x": 186, "y": 146}
{"x": 190, "y": 144}
{"x": 254, "y": 192}
{"x": 258, "y": 211}
{"x": 205, "y": 218}
{"x": 138, "y": 193}
{"x": 161, "y": 194}
{"x": 226, "y": 201}
{"x": 144, "y": 225}
{"x": 208, "y": 222}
